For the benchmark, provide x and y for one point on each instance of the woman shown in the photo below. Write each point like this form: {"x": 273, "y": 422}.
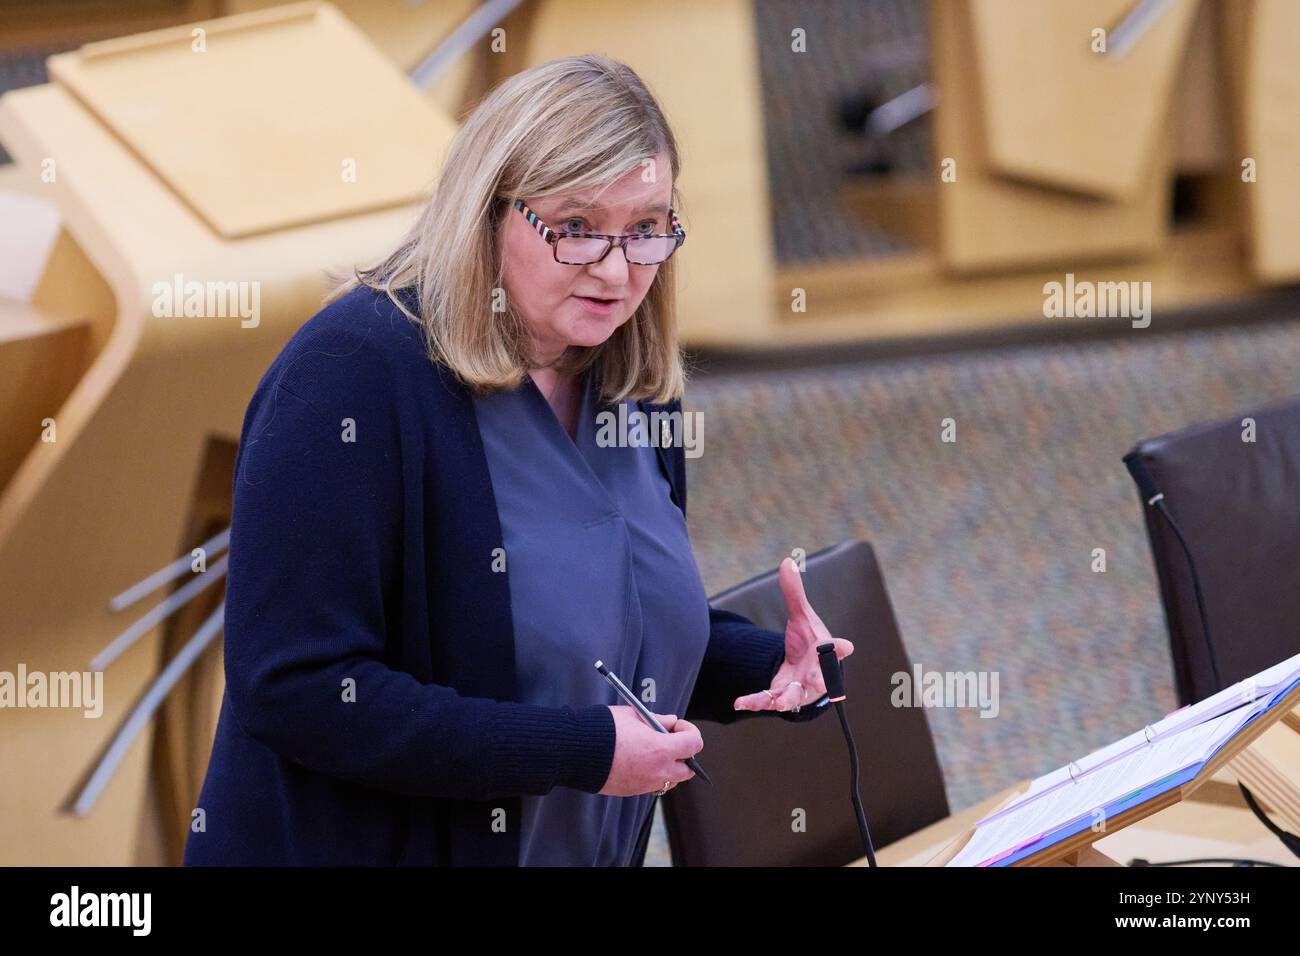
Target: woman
{"x": 431, "y": 548}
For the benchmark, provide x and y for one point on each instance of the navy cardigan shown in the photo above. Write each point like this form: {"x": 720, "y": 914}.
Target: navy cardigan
{"x": 369, "y": 716}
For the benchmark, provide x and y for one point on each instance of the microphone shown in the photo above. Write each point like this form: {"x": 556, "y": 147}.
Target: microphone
{"x": 833, "y": 675}
{"x": 832, "y": 672}
{"x": 1155, "y": 498}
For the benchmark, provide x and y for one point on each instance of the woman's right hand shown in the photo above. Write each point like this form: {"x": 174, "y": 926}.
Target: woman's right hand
{"x": 645, "y": 758}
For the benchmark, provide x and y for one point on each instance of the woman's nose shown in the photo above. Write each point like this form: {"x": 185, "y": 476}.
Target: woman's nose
{"x": 613, "y": 268}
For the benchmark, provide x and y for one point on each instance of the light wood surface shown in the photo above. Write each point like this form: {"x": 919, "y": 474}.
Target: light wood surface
{"x": 1203, "y": 128}
{"x": 41, "y": 358}
{"x": 273, "y": 110}
{"x": 913, "y": 295}
{"x": 1271, "y": 137}
{"x": 1157, "y": 828}
{"x": 158, "y": 395}
{"x": 406, "y": 32}
{"x": 1191, "y": 829}
{"x": 1055, "y": 112}
{"x": 988, "y": 221}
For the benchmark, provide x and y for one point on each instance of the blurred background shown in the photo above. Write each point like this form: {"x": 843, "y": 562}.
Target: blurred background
{"x": 879, "y": 195}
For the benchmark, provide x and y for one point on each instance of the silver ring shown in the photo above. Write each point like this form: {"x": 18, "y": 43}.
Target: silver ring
{"x": 666, "y": 787}
{"x": 770, "y": 696}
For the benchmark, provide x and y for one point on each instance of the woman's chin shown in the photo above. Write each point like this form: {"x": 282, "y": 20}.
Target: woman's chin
{"x": 589, "y": 332}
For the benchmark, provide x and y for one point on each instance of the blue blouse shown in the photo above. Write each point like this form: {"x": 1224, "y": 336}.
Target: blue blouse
{"x": 600, "y": 567}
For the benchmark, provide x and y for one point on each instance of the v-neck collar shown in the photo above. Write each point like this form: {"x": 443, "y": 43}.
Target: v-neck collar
{"x": 530, "y": 384}
{"x": 580, "y": 445}
{"x": 589, "y": 404}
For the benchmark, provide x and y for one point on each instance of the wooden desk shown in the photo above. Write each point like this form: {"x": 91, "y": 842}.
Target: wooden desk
{"x": 1209, "y": 820}
{"x": 1218, "y": 826}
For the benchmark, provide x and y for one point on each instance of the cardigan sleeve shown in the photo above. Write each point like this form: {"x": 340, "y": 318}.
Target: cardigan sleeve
{"x": 314, "y": 562}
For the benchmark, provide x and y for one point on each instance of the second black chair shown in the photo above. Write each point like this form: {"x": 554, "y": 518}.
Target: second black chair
{"x": 1233, "y": 488}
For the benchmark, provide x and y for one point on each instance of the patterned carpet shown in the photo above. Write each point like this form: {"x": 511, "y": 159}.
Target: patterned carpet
{"x": 986, "y": 544}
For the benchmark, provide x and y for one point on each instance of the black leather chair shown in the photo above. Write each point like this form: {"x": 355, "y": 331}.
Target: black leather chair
{"x": 763, "y": 771}
{"x": 1237, "y": 504}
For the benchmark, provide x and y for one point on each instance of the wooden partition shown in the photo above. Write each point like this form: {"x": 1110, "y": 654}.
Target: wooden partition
{"x": 144, "y": 435}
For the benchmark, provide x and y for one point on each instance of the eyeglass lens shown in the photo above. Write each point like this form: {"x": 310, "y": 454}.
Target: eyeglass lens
{"x": 648, "y": 251}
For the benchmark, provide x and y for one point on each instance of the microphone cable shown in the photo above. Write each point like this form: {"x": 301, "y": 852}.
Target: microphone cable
{"x": 833, "y": 675}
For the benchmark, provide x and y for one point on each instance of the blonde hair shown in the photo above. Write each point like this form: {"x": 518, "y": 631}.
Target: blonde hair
{"x": 573, "y": 123}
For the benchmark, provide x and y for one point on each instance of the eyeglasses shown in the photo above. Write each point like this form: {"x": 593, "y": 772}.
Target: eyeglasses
{"x": 587, "y": 248}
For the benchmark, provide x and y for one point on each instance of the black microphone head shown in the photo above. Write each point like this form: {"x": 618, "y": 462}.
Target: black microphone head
{"x": 832, "y": 673}
{"x": 1141, "y": 475}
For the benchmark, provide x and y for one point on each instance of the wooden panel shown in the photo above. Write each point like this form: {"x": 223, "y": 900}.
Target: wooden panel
{"x": 1203, "y": 134}
{"x": 912, "y": 296}
{"x": 139, "y": 418}
{"x": 41, "y": 358}
{"x": 989, "y": 222}
{"x": 286, "y": 96}
{"x": 1057, "y": 113}
{"x": 405, "y": 31}
{"x": 1272, "y": 138}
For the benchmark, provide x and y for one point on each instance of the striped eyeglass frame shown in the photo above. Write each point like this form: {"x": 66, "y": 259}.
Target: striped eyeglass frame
{"x": 553, "y": 237}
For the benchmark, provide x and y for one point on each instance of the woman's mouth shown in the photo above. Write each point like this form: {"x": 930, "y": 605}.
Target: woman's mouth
{"x": 599, "y": 306}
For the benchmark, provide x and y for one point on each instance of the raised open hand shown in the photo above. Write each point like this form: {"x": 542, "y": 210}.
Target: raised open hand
{"x": 799, "y": 679}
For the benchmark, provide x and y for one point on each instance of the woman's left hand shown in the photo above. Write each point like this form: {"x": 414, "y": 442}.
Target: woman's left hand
{"x": 803, "y": 633}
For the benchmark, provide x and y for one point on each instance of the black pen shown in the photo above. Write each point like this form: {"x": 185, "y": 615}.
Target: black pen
{"x": 644, "y": 711}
